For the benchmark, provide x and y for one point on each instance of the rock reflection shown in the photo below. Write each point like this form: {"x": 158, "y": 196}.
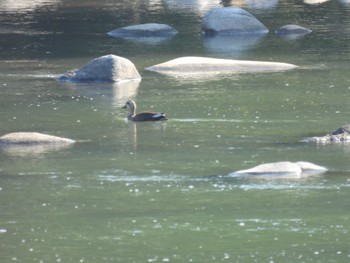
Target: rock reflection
{"x": 24, "y": 5}
{"x": 233, "y": 44}
{"x": 123, "y": 91}
{"x": 149, "y": 40}
{"x": 119, "y": 92}
{"x": 32, "y": 150}
{"x": 252, "y": 4}
{"x": 190, "y": 6}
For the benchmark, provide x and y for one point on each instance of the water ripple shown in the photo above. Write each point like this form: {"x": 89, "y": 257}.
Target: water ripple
{"x": 207, "y": 183}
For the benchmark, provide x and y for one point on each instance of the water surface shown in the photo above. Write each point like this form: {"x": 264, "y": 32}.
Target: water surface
{"x": 159, "y": 192}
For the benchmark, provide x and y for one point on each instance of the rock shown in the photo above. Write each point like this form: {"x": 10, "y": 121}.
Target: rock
{"x": 144, "y": 30}
{"x": 281, "y": 169}
{"x": 109, "y": 68}
{"x": 315, "y": 2}
{"x": 253, "y": 4}
{"x": 310, "y": 168}
{"x": 30, "y": 138}
{"x": 291, "y": 32}
{"x": 342, "y": 130}
{"x": 202, "y": 65}
{"x": 292, "y": 29}
{"x": 231, "y": 20}
{"x": 341, "y": 135}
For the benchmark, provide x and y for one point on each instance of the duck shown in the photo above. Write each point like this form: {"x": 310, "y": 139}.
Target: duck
{"x": 142, "y": 116}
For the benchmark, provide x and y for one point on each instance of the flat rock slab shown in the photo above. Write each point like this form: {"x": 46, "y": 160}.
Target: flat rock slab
{"x": 32, "y": 138}
{"x": 108, "y": 68}
{"x": 188, "y": 65}
{"x": 144, "y": 30}
{"x": 231, "y": 20}
{"x": 281, "y": 169}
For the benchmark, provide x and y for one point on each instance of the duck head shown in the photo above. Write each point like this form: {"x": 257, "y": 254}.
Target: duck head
{"x": 131, "y": 106}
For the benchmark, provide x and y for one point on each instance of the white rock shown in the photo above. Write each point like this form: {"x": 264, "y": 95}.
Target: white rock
{"x": 190, "y": 65}
{"x": 30, "y": 138}
{"x": 311, "y": 168}
{"x": 281, "y": 169}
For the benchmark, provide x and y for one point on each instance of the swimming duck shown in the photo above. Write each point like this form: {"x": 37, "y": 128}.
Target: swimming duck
{"x": 142, "y": 116}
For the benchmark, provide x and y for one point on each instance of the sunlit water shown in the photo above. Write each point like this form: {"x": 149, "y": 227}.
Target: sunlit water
{"x": 160, "y": 192}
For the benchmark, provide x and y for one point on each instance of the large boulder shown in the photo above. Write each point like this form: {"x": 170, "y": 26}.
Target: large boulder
{"x": 30, "y": 138}
{"x": 109, "y": 68}
{"x": 341, "y": 135}
{"x": 144, "y": 30}
{"x": 281, "y": 169}
{"x": 203, "y": 65}
{"x": 231, "y": 20}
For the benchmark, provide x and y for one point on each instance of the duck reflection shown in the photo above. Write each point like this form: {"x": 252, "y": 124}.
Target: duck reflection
{"x": 145, "y": 134}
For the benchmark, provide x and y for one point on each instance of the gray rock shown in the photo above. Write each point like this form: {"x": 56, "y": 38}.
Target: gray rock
{"x": 294, "y": 30}
{"x": 30, "y": 138}
{"x": 342, "y": 130}
{"x": 109, "y": 68}
{"x": 231, "y": 20}
{"x": 282, "y": 170}
{"x": 144, "y": 30}
{"x": 341, "y": 135}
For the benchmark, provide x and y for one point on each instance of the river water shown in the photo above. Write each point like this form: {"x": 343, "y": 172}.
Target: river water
{"x": 160, "y": 192}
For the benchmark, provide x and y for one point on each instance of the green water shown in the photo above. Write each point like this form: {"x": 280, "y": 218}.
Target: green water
{"x": 160, "y": 192}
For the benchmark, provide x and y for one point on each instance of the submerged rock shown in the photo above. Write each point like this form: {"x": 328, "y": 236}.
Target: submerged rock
{"x": 341, "y": 135}
{"x": 231, "y": 20}
{"x": 30, "y": 138}
{"x": 292, "y": 29}
{"x": 205, "y": 66}
{"x": 144, "y": 30}
{"x": 291, "y": 32}
{"x": 281, "y": 169}
{"x": 109, "y": 68}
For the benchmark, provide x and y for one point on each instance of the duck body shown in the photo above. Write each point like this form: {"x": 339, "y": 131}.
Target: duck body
{"x": 142, "y": 116}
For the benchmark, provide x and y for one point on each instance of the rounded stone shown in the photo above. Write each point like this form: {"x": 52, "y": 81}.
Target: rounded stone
{"x": 108, "y": 68}
{"x": 231, "y": 20}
